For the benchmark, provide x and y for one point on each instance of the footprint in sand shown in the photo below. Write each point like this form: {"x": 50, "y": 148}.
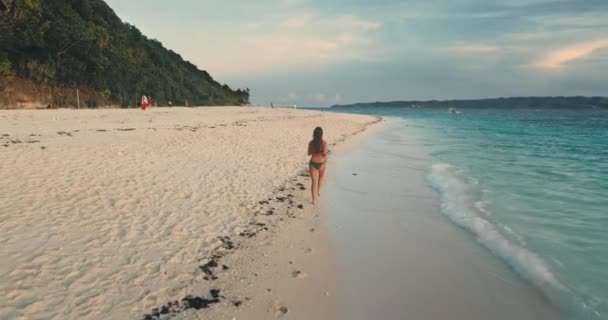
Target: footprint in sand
{"x": 308, "y": 250}
{"x": 279, "y": 310}
{"x": 298, "y": 274}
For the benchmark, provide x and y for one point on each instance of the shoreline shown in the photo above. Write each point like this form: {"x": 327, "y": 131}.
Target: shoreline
{"x": 280, "y": 257}
{"x": 401, "y": 256}
{"x": 288, "y": 272}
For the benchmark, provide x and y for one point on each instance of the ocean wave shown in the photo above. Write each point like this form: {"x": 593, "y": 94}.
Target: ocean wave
{"x": 457, "y": 205}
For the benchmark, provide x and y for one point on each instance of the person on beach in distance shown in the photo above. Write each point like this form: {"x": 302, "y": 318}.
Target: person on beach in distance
{"x": 144, "y": 102}
{"x": 317, "y": 149}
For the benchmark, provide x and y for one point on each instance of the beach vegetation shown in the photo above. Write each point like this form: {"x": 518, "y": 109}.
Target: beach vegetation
{"x": 83, "y": 44}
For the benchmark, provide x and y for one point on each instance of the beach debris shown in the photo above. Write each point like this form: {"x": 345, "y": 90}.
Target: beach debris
{"x": 206, "y": 268}
{"x": 125, "y": 129}
{"x": 173, "y": 308}
{"x": 254, "y": 228}
{"x": 228, "y": 244}
{"x": 64, "y": 133}
{"x": 300, "y": 206}
{"x": 354, "y": 174}
{"x": 215, "y": 293}
{"x": 101, "y": 130}
{"x": 298, "y": 274}
{"x": 213, "y": 262}
{"x": 198, "y": 302}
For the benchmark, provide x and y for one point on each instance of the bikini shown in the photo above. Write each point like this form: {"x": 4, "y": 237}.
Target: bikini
{"x": 316, "y": 165}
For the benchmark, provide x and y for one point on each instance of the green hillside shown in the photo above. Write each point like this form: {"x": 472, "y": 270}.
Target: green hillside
{"x": 83, "y": 44}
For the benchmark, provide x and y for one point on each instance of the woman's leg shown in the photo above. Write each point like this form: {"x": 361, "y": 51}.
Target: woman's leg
{"x": 314, "y": 183}
{"x": 321, "y": 175}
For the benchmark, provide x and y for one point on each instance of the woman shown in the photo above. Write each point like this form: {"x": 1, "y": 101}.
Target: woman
{"x": 144, "y": 102}
{"x": 317, "y": 149}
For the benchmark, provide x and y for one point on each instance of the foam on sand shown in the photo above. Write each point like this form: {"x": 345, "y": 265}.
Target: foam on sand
{"x": 457, "y": 206}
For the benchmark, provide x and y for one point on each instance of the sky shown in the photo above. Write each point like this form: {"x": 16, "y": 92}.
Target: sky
{"x": 322, "y": 52}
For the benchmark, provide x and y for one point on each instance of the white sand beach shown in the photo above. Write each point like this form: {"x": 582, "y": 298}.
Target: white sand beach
{"x": 190, "y": 214}
{"x": 377, "y": 247}
{"x": 109, "y": 214}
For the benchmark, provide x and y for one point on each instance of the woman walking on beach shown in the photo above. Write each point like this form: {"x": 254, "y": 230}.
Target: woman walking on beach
{"x": 317, "y": 149}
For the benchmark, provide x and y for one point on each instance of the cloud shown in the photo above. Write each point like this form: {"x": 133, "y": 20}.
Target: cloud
{"x": 556, "y": 59}
{"x": 289, "y": 3}
{"x": 301, "y": 42}
{"x": 323, "y": 98}
{"x": 354, "y": 22}
{"x": 298, "y": 21}
{"x": 340, "y": 22}
{"x": 474, "y": 49}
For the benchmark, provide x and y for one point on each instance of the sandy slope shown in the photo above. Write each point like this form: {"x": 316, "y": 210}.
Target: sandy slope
{"x": 110, "y": 213}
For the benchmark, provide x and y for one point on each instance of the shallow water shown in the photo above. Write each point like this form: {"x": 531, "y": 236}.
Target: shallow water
{"x": 531, "y": 187}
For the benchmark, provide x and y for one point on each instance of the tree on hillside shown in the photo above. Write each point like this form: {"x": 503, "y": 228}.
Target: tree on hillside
{"x": 83, "y": 43}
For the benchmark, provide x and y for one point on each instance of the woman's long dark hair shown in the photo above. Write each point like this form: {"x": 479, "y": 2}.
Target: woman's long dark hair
{"x": 317, "y": 140}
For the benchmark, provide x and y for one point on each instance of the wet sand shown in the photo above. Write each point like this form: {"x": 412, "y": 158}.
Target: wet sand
{"x": 399, "y": 258}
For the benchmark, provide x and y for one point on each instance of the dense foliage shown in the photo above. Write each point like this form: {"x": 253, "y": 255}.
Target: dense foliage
{"x": 499, "y": 103}
{"x": 73, "y": 43}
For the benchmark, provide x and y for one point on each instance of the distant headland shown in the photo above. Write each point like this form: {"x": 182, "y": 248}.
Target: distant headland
{"x": 577, "y": 102}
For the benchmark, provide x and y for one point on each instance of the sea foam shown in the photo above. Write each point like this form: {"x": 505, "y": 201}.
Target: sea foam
{"x": 457, "y": 205}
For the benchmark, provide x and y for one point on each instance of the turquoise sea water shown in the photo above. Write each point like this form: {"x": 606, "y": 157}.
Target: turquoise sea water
{"x": 532, "y": 187}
